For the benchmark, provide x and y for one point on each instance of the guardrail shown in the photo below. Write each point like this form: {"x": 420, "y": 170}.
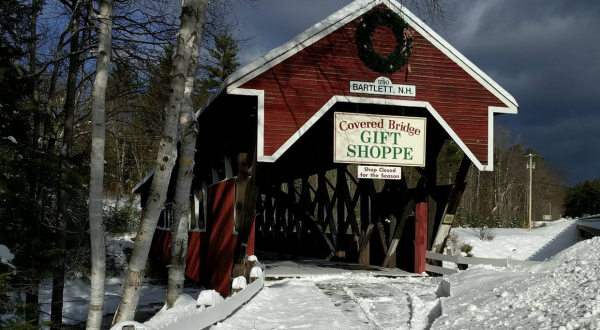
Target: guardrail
{"x": 220, "y": 312}
{"x": 470, "y": 261}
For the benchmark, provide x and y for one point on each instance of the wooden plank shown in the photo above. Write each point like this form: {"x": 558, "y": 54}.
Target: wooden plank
{"x": 240, "y": 192}
{"x": 300, "y": 211}
{"x": 451, "y": 206}
{"x": 248, "y": 209}
{"x": 367, "y": 224}
{"x": 590, "y": 230}
{"x": 441, "y": 257}
{"x": 408, "y": 210}
{"x": 323, "y": 198}
{"x": 382, "y": 236}
{"x": 218, "y": 313}
{"x": 440, "y": 270}
{"x": 483, "y": 261}
{"x": 341, "y": 237}
{"x": 367, "y": 237}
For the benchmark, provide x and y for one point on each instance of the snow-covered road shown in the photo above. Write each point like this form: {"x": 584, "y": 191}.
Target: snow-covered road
{"x": 340, "y": 302}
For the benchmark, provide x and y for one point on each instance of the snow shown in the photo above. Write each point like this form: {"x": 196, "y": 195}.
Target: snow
{"x": 252, "y": 259}
{"x": 512, "y": 243}
{"x": 77, "y": 291}
{"x": 184, "y": 307}
{"x": 11, "y": 139}
{"x": 276, "y": 269}
{"x": 564, "y": 292}
{"x": 256, "y": 272}
{"x": 239, "y": 283}
{"x": 209, "y": 298}
{"x": 136, "y": 325}
{"x": 5, "y": 255}
{"x": 344, "y": 301}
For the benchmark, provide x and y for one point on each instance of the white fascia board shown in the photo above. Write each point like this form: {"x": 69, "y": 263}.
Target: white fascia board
{"x": 295, "y": 45}
{"x": 455, "y": 55}
{"x": 361, "y": 100}
{"x": 343, "y": 17}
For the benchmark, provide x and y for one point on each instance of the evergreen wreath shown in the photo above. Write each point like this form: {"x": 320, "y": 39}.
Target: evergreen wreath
{"x": 364, "y": 44}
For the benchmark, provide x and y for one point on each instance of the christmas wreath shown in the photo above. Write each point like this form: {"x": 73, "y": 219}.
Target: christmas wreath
{"x": 364, "y": 44}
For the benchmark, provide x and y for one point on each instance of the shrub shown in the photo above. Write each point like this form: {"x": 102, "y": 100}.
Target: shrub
{"x": 467, "y": 249}
{"x": 486, "y": 234}
{"x": 122, "y": 218}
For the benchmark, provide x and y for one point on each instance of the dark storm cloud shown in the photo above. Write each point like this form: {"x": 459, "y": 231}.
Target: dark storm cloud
{"x": 545, "y": 53}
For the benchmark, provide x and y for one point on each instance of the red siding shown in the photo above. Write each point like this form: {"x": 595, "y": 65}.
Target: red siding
{"x": 209, "y": 258}
{"x": 299, "y": 86}
{"x": 221, "y": 198}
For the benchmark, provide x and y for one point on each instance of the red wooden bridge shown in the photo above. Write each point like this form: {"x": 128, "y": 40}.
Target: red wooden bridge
{"x": 265, "y": 160}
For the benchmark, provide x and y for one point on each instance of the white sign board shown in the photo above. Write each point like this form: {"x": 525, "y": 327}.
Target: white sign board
{"x": 379, "y": 172}
{"x": 547, "y": 217}
{"x": 381, "y": 140}
{"x": 382, "y": 86}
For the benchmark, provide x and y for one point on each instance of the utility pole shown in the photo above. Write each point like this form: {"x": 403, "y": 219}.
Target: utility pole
{"x": 531, "y": 167}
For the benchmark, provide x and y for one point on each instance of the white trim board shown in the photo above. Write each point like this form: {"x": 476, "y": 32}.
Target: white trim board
{"x": 343, "y": 17}
{"x": 363, "y": 100}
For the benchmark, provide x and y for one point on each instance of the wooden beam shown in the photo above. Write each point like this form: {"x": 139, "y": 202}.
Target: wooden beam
{"x": 593, "y": 232}
{"x": 451, "y": 206}
{"x": 246, "y": 218}
{"x": 296, "y": 208}
{"x": 408, "y": 210}
{"x": 382, "y": 237}
{"x": 240, "y": 192}
{"x": 341, "y": 237}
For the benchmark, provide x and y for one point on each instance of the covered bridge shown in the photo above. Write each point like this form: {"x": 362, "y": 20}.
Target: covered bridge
{"x": 370, "y": 85}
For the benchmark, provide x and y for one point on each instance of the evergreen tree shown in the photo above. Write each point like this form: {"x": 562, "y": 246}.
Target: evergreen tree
{"x": 584, "y": 199}
{"x": 221, "y": 62}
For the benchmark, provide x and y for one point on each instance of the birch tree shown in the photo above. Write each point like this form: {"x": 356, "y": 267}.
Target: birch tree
{"x": 185, "y": 174}
{"x": 190, "y": 15}
{"x": 96, "y": 309}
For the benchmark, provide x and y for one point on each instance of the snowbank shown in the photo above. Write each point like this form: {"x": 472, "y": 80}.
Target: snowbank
{"x": 136, "y": 325}
{"x": 515, "y": 243}
{"x": 564, "y": 292}
{"x": 239, "y": 283}
{"x": 209, "y": 298}
{"x": 256, "y": 272}
{"x": 5, "y": 255}
{"x": 184, "y": 307}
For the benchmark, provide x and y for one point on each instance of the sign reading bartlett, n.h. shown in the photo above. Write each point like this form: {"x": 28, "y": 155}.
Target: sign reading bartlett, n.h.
{"x": 382, "y": 86}
{"x": 381, "y": 140}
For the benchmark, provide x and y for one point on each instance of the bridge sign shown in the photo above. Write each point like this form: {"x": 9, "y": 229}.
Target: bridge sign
{"x": 382, "y": 140}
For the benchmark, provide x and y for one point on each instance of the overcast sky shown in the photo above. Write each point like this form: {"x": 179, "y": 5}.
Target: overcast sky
{"x": 545, "y": 53}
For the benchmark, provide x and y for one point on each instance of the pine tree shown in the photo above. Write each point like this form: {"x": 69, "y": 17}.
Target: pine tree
{"x": 221, "y": 62}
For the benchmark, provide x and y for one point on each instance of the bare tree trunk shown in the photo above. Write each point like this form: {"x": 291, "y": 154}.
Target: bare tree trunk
{"x": 185, "y": 174}
{"x": 167, "y": 153}
{"x": 96, "y": 310}
{"x": 58, "y": 281}
{"x": 32, "y": 294}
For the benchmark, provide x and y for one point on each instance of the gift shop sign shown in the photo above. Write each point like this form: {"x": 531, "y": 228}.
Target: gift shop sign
{"x": 381, "y": 140}
{"x": 383, "y": 86}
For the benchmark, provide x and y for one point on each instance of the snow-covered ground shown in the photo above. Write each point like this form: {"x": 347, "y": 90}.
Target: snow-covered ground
{"x": 348, "y": 301}
{"x": 512, "y": 243}
{"x": 77, "y": 292}
{"x": 562, "y": 294}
